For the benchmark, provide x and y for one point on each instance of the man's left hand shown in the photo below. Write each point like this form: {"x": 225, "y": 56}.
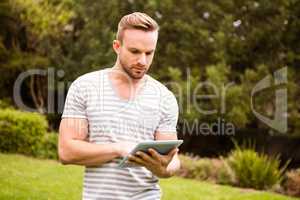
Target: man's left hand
{"x": 155, "y": 162}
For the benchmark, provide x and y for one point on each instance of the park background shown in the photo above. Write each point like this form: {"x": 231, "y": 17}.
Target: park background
{"x": 217, "y": 43}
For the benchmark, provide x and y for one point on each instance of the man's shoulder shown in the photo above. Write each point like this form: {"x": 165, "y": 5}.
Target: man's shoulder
{"x": 89, "y": 78}
{"x": 160, "y": 86}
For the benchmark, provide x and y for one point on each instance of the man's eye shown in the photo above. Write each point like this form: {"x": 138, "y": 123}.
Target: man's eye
{"x": 148, "y": 53}
{"x": 134, "y": 52}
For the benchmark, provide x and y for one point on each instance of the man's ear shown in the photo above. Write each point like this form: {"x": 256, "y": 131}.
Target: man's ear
{"x": 116, "y": 46}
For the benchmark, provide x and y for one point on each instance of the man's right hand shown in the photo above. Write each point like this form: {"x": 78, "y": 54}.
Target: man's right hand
{"x": 124, "y": 148}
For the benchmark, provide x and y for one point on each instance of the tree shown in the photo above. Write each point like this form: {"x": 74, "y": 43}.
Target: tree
{"x": 227, "y": 43}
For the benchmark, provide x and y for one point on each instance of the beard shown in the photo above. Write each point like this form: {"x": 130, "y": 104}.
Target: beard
{"x": 133, "y": 72}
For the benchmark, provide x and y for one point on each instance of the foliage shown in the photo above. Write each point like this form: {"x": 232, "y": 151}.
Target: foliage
{"x": 32, "y": 31}
{"x": 51, "y": 16}
{"x": 255, "y": 170}
{"x": 26, "y": 133}
{"x": 5, "y": 103}
{"x": 205, "y": 169}
{"x": 186, "y": 165}
{"x": 20, "y": 132}
{"x": 243, "y": 167}
{"x": 47, "y": 148}
{"x": 292, "y": 183}
{"x": 202, "y": 169}
{"x": 227, "y": 43}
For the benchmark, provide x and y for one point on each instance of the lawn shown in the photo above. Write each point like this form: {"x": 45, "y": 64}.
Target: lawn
{"x": 24, "y": 178}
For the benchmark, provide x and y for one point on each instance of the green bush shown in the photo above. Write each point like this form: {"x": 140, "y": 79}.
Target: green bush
{"x": 213, "y": 170}
{"x": 243, "y": 167}
{"x": 202, "y": 169}
{"x": 21, "y": 132}
{"x": 194, "y": 167}
{"x": 47, "y": 148}
{"x": 255, "y": 170}
{"x": 5, "y": 103}
{"x": 225, "y": 174}
{"x": 186, "y": 166}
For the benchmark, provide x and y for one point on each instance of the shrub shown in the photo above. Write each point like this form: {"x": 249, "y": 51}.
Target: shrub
{"x": 292, "y": 183}
{"x": 225, "y": 174}
{"x": 5, "y": 103}
{"x": 194, "y": 167}
{"x": 21, "y": 132}
{"x": 254, "y": 170}
{"x": 47, "y": 147}
{"x": 202, "y": 169}
{"x": 213, "y": 170}
{"x": 186, "y": 166}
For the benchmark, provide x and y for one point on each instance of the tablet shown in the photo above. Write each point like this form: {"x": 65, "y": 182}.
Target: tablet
{"x": 161, "y": 146}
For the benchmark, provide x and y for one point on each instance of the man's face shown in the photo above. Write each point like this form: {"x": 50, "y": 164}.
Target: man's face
{"x": 136, "y": 51}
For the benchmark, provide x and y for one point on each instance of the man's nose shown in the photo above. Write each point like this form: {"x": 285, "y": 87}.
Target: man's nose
{"x": 142, "y": 59}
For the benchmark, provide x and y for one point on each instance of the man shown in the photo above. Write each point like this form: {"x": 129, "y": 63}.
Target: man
{"x": 108, "y": 111}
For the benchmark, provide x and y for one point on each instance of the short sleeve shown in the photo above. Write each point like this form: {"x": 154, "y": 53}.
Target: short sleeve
{"x": 75, "y": 104}
{"x": 169, "y": 115}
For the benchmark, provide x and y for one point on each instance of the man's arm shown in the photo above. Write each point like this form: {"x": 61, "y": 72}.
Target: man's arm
{"x": 73, "y": 147}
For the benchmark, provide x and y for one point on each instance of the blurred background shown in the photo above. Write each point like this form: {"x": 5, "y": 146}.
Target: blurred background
{"x": 230, "y": 44}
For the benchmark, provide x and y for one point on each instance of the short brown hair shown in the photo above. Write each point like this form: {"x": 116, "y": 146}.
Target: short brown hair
{"x": 136, "y": 20}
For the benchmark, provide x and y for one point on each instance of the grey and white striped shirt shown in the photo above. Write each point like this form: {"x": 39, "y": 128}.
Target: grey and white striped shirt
{"x": 112, "y": 119}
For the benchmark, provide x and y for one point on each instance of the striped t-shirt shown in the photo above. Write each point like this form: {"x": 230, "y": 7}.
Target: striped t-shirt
{"x": 113, "y": 119}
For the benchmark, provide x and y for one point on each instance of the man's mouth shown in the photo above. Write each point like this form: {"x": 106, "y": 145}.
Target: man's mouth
{"x": 138, "y": 69}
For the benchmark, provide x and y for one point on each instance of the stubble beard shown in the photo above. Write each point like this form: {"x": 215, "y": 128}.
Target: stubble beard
{"x": 127, "y": 70}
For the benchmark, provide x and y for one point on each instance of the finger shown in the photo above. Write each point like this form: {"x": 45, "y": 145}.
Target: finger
{"x": 136, "y": 160}
{"x": 132, "y": 162}
{"x": 145, "y": 157}
{"x": 155, "y": 154}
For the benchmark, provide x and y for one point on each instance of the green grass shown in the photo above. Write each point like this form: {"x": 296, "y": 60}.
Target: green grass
{"x": 24, "y": 178}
